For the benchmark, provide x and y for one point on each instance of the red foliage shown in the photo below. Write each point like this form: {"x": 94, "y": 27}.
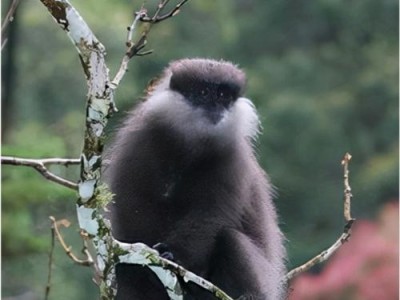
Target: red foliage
{"x": 365, "y": 268}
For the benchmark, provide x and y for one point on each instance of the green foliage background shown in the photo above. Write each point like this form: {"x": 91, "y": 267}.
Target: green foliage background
{"x": 323, "y": 75}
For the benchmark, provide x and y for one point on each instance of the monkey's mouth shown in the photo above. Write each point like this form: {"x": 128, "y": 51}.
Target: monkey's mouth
{"x": 215, "y": 114}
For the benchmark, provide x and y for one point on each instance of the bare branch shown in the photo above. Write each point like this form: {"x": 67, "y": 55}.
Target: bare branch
{"x": 324, "y": 255}
{"x": 129, "y": 43}
{"x": 100, "y": 101}
{"x": 7, "y": 20}
{"x": 3, "y": 43}
{"x": 11, "y": 160}
{"x": 50, "y": 265}
{"x": 131, "y": 29}
{"x": 347, "y": 188}
{"x": 135, "y": 48}
{"x": 190, "y": 276}
{"x": 157, "y": 18}
{"x": 68, "y": 250}
{"x": 149, "y": 256}
{"x": 40, "y": 166}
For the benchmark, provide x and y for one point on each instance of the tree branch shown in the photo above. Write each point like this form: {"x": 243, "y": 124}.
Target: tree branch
{"x": 50, "y": 264}
{"x": 157, "y": 18}
{"x": 146, "y": 255}
{"x": 347, "y": 188}
{"x": 324, "y": 255}
{"x": 99, "y": 102}
{"x": 68, "y": 250}
{"x": 135, "y": 48}
{"x": 7, "y": 20}
{"x": 40, "y": 166}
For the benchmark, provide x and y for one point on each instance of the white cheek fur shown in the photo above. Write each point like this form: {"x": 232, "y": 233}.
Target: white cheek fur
{"x": 241, "y": 120}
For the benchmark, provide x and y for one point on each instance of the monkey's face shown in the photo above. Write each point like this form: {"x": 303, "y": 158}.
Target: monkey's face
{"x": 209, "y": 85}
{"x": 203, "y": 98}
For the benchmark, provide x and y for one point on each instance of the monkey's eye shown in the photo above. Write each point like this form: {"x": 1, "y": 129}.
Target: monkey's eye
{"x": 225, "y": 93}
{"x": 204, "y": 92}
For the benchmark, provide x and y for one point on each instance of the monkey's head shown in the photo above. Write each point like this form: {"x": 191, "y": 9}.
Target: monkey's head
{"x": 210, "y": 85}
{"x": 203, "y": 96}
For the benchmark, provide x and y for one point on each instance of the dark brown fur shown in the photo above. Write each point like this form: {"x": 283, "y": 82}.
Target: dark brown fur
{"x": 202, "y": 194}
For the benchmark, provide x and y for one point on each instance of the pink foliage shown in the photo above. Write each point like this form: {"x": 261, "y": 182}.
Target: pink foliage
{"x": 365, "y": 268}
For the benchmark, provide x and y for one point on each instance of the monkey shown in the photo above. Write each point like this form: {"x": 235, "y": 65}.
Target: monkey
{"x": 184, "y": 173}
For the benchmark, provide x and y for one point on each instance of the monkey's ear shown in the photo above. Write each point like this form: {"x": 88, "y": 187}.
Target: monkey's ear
{"x": 151, "y": 86}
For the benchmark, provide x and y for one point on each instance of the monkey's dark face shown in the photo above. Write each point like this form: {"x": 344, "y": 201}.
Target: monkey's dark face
{"x": 214, "y": 98}
{"x": 210, "y": 85}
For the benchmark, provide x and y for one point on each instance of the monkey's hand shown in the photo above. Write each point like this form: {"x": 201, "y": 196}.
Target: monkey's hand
{"x": 164, "y": 251}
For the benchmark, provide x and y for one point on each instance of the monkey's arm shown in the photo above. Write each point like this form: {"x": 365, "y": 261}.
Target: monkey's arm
{"x": 240, "y": 265}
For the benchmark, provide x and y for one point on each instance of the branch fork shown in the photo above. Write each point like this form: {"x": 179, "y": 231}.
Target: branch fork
{"x": 40, "y": 165}
{"x": 345, "y": 236}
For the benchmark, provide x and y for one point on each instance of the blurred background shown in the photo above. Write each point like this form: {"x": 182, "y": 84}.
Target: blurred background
{"x": 324, "y": 77}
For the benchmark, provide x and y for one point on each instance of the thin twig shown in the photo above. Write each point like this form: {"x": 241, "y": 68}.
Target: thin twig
{"x": 40, "y": 166}
{"x": 132, "y": 28}
{"x": 324, "y": 255}
{"x": 50, "y": 265}
{"x": 7, "y": 20}
{"x": 68, "y": 250}
{"x": 347, "y": 188}
{"x": 135, "y": 48}
{"x": 98, "y": 274}
{"x": 10, "y": 16}
{"x": 3, "y": 43}
{"x": 157, "y": 18}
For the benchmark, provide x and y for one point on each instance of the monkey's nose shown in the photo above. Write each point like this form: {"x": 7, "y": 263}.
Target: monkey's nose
{"x": 215, "y": 115}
